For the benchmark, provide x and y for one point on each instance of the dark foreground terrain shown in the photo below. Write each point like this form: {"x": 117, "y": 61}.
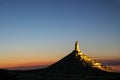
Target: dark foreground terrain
{"x": 42, "y": 74}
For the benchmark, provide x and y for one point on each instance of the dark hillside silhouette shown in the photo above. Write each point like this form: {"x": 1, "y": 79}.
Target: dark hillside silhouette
{"x": 77, "y": 62}
{"x": 6, "y": 75}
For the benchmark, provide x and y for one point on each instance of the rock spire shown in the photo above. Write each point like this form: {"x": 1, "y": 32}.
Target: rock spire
{"x": 77, "y": 62}
{"x": 77, "y": 48}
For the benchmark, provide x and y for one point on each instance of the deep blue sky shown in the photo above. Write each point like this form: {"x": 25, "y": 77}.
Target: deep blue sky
{"x": 48, "y": 28}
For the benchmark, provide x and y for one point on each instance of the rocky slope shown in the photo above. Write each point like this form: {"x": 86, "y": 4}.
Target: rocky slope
{"x": 77, "y": 62}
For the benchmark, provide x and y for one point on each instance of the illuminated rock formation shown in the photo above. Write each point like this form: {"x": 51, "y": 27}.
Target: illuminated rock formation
{"x": 77, "y": 48}
{"x": 77, "y": 62}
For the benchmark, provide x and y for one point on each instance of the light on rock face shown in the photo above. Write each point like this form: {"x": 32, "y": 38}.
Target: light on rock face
{"x": 77, "y": 48}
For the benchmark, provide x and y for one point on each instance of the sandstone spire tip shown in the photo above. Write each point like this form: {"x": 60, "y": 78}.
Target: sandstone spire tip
{"x": 77, "y": 48}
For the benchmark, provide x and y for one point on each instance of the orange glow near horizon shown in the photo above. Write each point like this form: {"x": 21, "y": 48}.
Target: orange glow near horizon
{"x": 23, "y": 60}
{"x": 116, "y": 68}
{"x": 29, "y": 65}
{"x": 35, "y": 58}
{"x": 7, "y": 66}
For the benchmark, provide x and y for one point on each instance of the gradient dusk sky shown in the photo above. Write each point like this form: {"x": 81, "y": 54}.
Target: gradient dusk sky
{"x": 40, "y": 32}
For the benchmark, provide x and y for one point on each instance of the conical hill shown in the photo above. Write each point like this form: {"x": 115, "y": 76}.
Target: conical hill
{"x": 77, "y": 62}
